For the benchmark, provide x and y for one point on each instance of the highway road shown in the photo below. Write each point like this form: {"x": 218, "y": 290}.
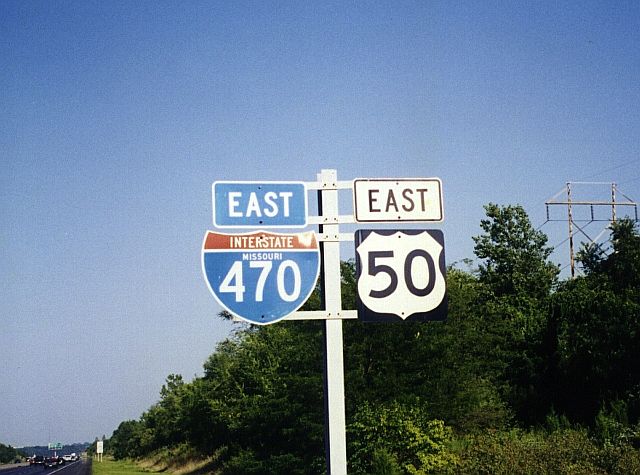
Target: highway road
{"x": 81, "y": 467}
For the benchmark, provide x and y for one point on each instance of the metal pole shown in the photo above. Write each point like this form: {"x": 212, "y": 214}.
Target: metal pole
{"x": 571, "y": 260}
{"x": 613, "y": 202}
{"x": 335, "y": 425}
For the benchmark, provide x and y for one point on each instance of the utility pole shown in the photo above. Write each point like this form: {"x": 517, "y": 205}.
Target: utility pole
{"x": 574, "y": 204}
{"x": 570, "y": 218}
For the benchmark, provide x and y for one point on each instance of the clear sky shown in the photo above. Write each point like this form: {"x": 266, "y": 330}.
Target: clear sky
{"x": 116, "y": 117}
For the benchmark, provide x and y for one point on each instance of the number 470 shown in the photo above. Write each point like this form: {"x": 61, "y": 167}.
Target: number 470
{"x": 233, "y": 282}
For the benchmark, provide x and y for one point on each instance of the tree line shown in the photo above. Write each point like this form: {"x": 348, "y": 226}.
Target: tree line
{"x": 529, "y": 374}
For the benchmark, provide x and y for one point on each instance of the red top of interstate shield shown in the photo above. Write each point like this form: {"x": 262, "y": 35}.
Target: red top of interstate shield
{"x": 260, "y": 240}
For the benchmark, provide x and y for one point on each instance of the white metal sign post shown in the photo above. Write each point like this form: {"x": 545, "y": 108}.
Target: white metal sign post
{"x": 335, "y": 425}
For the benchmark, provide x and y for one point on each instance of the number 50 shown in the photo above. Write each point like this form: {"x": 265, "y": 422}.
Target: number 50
{"x": 376, "y": 268}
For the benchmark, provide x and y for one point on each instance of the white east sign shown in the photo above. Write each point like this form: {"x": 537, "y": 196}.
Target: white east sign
{"x": 398, "y": 199}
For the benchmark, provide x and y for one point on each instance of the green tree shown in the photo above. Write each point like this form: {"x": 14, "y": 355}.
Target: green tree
{"x": 462, "y": 380}
{"x": 517, "y": 280}
{"x": 266, "y": 394}
{"x": 597, "y": 322}
{"x": 621, "y": 265}
{"x": 9, "y": 454}
{"x": 514, "y": 255}
{"x": 124, "y": 442}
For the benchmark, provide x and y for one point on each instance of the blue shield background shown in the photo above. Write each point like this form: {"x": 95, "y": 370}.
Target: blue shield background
{"x": 272, "y": 308}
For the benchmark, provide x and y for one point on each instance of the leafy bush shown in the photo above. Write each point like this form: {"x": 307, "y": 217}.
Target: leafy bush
{"x": 563, "y": 452}
{"x": 398, "y": 436}
{"x": 384, "y": 463}
{"x": 246, "y": 463}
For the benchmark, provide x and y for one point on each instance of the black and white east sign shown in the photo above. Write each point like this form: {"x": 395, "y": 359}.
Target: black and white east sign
{"x": 401, "y": 275}
{"x": 397, "y": 199}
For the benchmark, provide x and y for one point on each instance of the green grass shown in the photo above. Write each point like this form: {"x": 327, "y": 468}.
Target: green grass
{"x": 113, "y": 467}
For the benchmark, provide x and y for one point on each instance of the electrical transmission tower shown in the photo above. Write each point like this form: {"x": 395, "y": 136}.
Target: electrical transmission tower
{"x": 587, "y": 210}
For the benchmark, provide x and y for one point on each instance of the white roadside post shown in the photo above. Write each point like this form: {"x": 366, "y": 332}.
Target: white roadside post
{"x": 335, "y": 426}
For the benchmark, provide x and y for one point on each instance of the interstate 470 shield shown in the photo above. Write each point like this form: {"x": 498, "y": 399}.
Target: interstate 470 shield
{"x": 261, "y": 277}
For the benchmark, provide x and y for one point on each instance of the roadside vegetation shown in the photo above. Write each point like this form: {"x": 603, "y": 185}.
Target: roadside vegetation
{"x": 530, "y": 374}
{"x": 108, "y": 466}
{"x": 9, "y": 454}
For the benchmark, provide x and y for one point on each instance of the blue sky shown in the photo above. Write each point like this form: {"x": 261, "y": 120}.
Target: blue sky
{"x": 116, "y": 117}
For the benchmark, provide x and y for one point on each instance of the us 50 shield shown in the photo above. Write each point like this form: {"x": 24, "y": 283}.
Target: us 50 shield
{"x": 401, "y": 275}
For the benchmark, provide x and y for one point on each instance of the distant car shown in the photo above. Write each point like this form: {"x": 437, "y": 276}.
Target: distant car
{"x": 36, "y": 460}
{"x": 50, "y": 462}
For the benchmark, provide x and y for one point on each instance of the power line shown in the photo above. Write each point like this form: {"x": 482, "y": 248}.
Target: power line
{"x": 630, "y": 181}
{"x": 606, "y": 170}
